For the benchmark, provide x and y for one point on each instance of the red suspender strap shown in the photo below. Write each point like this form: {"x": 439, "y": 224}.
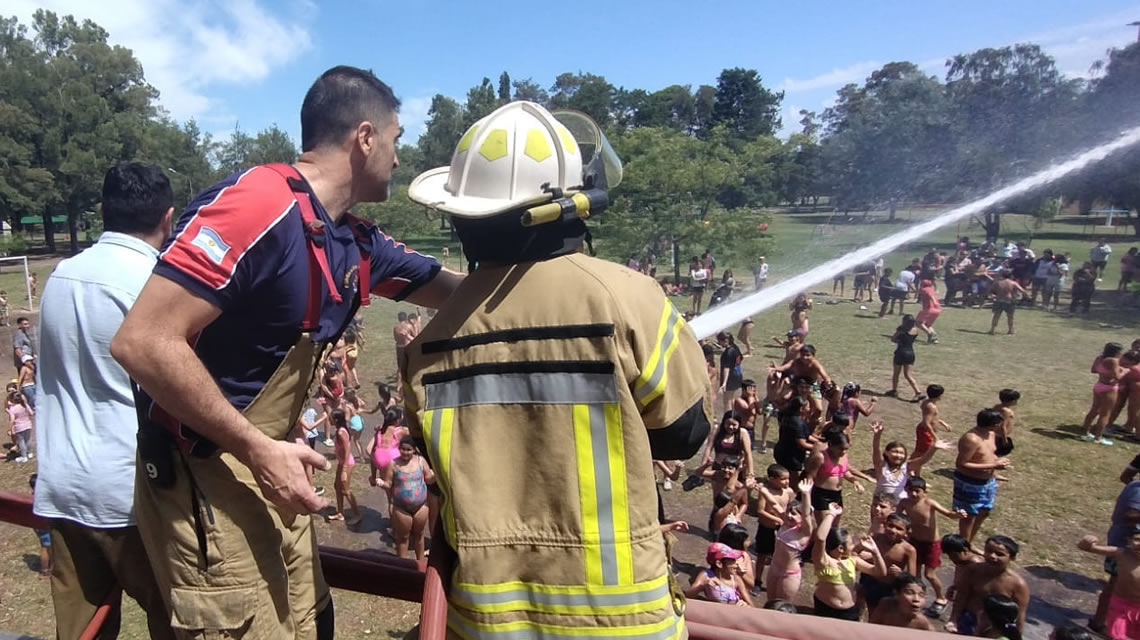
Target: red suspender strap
{"x": 318, "y": 260}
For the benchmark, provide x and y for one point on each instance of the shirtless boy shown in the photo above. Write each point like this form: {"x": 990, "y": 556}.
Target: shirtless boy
{"x": 975, "y": 484}
{"x": 899, "y": 556}
{"x": 807, "y": 365}
{"x": 771, "y": 504}
{"x": 904, "y": 608}
{"x": 1123, "y": 620}
{"x": 924, "y": 431}
{"x": 923, "y": 513}
{"x": 993, "y": 576}
{"x": 1007, "y": 400}
{"x": 791, "y": 345}
{"x": 1003, "y": 289}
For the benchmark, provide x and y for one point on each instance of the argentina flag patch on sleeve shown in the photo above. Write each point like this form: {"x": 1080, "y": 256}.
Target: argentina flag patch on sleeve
{"x": 211, "y": 243}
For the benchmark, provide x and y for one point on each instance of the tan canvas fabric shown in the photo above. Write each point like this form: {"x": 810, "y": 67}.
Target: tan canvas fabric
{"x": 533, "y": 390}
{"x": 89, "y": 565}
{"x": 229, "y": 563}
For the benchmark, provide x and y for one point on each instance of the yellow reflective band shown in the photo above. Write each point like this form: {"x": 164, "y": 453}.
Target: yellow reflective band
{"x": 587, "y": 493}
{"x": 669, "y": 628}
{"x": 623, "y": 548}
{"x": 562, "y": 599}
{"x": 651, "y": 382}
{"x": 602, "y": 492}
{"x": 440, "y": 423}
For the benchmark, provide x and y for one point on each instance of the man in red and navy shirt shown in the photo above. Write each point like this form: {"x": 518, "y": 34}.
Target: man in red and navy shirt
{"x": 263, "y": 272}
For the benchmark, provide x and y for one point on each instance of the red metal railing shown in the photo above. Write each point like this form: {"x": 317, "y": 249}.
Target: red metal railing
{"x": 405, "y": 579}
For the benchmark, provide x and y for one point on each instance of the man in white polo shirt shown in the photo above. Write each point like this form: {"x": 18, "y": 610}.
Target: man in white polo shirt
{"x": 86, "y": 423}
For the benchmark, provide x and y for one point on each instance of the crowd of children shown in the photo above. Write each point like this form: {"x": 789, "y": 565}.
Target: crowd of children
{"x": 889, "y": 574}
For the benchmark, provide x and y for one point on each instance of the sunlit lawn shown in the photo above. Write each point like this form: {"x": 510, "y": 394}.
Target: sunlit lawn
{"x": 1059, "y": 488}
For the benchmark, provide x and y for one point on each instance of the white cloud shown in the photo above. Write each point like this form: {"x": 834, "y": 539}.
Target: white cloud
{"x": 835, "y": 78}
{"x": 189, "y": 48}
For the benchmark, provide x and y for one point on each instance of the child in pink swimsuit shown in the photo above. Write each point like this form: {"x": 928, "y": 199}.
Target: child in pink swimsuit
{"x": 344, "y": 464}
{"x": 786, "y": 573}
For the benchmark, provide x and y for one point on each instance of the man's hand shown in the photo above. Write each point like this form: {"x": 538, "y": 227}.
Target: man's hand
{"x": 279, "y": 468}
{"x": 1003, "y": 463}
{"x": 1086, "y": 543}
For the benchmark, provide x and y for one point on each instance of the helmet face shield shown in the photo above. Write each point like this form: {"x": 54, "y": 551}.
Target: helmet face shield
{"x": 598, "y": 158}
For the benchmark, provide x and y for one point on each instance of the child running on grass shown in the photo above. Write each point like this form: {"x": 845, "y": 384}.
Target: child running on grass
{"x": 923, "y": 513}
{"x": 924, "y": 431}
{"x": 1124, "y": 604}
{"x": 837, "y": 566}
{"x": 904, "y": 608}
{"x": 786, "y": 572}
{"x": 1107, "y": 368}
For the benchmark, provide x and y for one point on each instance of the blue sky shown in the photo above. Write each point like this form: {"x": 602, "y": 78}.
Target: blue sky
{"x": 249, "y": 62}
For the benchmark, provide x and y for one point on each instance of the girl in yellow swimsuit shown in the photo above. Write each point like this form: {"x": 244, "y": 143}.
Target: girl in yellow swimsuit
{"x": 836, "y": 568}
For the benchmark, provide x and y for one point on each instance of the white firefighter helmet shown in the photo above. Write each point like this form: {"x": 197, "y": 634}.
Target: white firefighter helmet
{"x": 510, "y": 159}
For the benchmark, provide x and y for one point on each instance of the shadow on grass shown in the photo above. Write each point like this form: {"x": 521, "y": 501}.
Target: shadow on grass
{"x": 1067, "y": 579}
{"x": 1042, "y": 612}
{"x": 1061, "y": 432}
{"x": 974, "y": 331}
{"x": 866, "y": 316}
{"x": 687, "y": 568}
{"x": 945, "y": 472}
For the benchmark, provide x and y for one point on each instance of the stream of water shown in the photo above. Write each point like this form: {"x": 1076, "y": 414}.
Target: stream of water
{"x": 727, "y": 315}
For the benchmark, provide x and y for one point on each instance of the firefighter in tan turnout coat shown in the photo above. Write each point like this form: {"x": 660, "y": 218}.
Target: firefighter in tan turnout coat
{"x": 543, "y": 390}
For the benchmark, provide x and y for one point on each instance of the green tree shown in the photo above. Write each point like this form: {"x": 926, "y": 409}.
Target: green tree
{"x": 504, "y": 87}
{"x": 1009, "y": 111}
{"x": 670, "y": 199}
{"x": 744, "y": 105}
{"x": 882, "y": 134}
{"x": 443, "y": 130}
{"x": 481, "y": 101}
{"x": 242, "y": 151}
{"x": 585, "y": 92}
{"x": 530, "y": 91}
{"x": 82, "y": 104}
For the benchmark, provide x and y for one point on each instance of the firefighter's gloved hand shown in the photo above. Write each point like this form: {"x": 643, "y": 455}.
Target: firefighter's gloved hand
{"x": 279, "y": 468}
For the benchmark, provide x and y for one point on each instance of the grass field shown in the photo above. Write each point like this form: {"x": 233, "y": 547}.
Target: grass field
{"x": 1059, "y": 488}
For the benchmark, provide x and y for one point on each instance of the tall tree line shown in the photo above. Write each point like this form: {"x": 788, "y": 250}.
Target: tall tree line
{"x": 701, "y": 161}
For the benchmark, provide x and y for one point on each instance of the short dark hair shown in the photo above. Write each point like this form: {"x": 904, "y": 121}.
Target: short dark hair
{"x": 22, "y": 319}
{"x": 989, "y": 418}
{"x": 1007, "y": 542}
{"x": 898, "y": 517}
{"x": 402, "y": 316}
{"x": 934, "y": 391}
{"x": 915, "y": 482}
{"x": 1071, "y": 631}
{"x": 733, "y": 535}
{"x": 904, "y": 580}
{"x": 954, "y": 543}
{"x": 1009, "y": 395}
{"x": 135, "y": 197}
{"x": 777, "y": 470}
{"x": 339, "y": 100}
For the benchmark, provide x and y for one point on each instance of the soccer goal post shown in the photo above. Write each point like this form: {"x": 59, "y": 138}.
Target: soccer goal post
{"x": 7, "y": 268}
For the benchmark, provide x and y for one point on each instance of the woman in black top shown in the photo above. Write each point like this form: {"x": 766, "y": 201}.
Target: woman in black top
{"x": 795, "y": 441}
{"x": 904, "y": 338}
